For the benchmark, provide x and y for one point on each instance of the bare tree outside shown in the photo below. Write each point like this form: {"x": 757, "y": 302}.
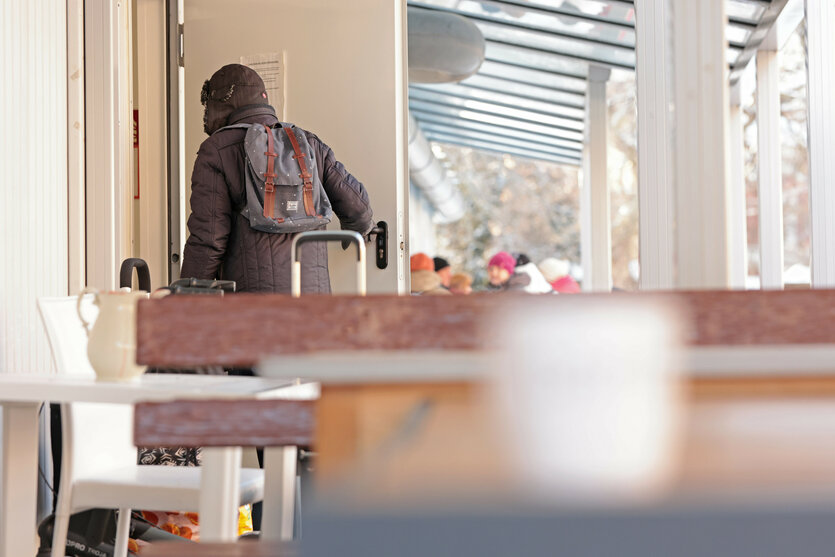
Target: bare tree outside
{"x": 513, "y": 204}
{"x": 524, "y": 205}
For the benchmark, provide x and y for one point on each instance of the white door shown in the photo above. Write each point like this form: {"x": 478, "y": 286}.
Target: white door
{"x": 345, "y": 64}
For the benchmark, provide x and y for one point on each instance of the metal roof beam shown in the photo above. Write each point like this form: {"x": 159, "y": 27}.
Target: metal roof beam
{"x": 772, "y": 11}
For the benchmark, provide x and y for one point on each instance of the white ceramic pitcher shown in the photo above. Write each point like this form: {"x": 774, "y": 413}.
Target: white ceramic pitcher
{"x": 112, "y": 340}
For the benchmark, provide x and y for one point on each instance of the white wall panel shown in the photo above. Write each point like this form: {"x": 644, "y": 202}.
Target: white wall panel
{"x": 33, "y": 176}
{"x": 150, "y": 100}
{"x": 109, "y": 139}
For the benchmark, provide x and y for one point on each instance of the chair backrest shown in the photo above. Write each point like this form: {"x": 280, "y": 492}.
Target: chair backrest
{"x": 66, "y": 334}
{"x": 95, "y": 436}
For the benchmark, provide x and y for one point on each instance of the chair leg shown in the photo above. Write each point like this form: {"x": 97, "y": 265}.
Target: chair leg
{"x": 59, "y": 534}
{"x": 279, "y": 493}
{"x": 61, "y": 525}
{"x": 122, "y": 532}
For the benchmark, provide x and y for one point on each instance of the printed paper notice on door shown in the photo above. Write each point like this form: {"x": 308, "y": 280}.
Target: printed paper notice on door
{"x": 271, "y": 69}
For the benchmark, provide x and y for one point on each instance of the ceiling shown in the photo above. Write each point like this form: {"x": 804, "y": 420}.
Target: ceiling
{"x": 528, "y": 97}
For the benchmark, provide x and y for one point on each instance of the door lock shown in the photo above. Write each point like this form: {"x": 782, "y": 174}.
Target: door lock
{"x": 381, "y": 250}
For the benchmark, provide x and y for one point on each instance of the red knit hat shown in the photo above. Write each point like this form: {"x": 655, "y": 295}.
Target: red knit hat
{"x": 421, "y": 262}
{"x": 503, "y": 260}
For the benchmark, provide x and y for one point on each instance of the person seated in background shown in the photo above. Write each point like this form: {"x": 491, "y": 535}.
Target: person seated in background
{"x": 461, "y": 284}
{"x": 556, "y": 272}
{"x": 538, "y": 284}
{"x": 443, "y": 269}
{"x": 424, "y": 279}
{"x": 502, "y": 276}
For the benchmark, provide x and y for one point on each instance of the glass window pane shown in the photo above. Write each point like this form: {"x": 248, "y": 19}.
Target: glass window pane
{"x": 512, "y": 123}
{"x": 587, "y": 50}
{"x": 527, "y": 153}
{"x": 611, "y": 12}
{"x": 537, "y": 60}
{"x": 500, "y": 110}
{"x": 538, "y": 18}
{"x": 534, "y": 77}
{"x": 574, "y": 100}
{"x": 499, "y": 139}
{"x": 450, "y": 119}
{"x": 499, "y": 97}
{"x": 749, "y": 12}
{"x": 737, "y": 34}
{"x": 615, "y": 12}
{"x": 732, "y": 54}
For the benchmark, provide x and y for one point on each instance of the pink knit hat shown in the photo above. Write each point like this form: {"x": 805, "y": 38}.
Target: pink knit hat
{"x": 503, "y": 260}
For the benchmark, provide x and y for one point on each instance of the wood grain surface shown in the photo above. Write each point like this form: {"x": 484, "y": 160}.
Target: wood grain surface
{"x": 224, "y": 423}
{"x": 242, "y": 329}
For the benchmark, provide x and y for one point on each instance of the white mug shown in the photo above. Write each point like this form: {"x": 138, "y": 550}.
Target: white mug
{"x": 587, "y": 392}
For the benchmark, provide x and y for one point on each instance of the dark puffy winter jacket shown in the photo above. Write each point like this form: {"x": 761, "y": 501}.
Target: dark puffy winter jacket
{"x": 221, "y": 243}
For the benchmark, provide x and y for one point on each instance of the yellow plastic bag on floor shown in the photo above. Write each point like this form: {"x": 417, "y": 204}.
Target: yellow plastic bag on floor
{"x": 244, "y": 520}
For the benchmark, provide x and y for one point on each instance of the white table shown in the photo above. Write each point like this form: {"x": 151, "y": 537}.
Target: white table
{"x": 22, "y": 395}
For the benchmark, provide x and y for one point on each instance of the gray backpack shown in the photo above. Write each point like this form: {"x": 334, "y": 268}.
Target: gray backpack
{"x": 279, "y": 198}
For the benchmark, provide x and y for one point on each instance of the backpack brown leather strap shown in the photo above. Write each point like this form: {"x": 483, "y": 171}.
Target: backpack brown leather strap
{"x": 305, "y": 174}
{"x": 269, "y": 176}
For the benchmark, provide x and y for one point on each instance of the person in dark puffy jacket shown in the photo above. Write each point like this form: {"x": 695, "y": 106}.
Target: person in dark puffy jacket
{"x": 221, "y": 243}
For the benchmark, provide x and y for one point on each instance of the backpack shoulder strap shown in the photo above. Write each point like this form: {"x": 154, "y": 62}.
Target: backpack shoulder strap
{"x": 269, "y": 176}
{"x": 305, "y": 175}
{"x": 233, "y": 126}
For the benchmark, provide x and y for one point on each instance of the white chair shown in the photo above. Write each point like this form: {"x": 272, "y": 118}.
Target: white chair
{"x": 99, "y": 468}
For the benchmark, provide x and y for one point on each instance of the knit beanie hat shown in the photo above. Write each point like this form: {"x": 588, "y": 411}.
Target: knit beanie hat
{"x": 421, "y": 262}
{"x": 553, "y": 268}
{"x": 440, "y": 263}
{"x": 503, "y": 260}
{"x": 521, "y": 258}
{"x": 232, "y": 87}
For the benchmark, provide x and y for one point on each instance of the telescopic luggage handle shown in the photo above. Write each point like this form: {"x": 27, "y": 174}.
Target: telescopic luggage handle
{"x": 325, "y": 236}
{"x": 142, "y": 272}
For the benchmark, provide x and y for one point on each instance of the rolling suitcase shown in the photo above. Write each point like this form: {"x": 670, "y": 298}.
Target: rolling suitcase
{"x": 325, "y": 236}
{"x": 305, "y": 458}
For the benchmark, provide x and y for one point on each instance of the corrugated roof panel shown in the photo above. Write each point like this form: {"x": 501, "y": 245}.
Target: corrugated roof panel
{"x": 545, "y": 94}
{"x": 488, "y": 118}
{"x": 532, "y": 77}
{"x": 435, "y": 117}
{"x": 498, "y": 139}
{"x": 532, "y": 17}
{"x": 502, "y": 98}
{"x": 521, "y": 56}
{"x": 587, "y": 50}
{"x": 530, "y": 91}
{"x": 485, "y": 146}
